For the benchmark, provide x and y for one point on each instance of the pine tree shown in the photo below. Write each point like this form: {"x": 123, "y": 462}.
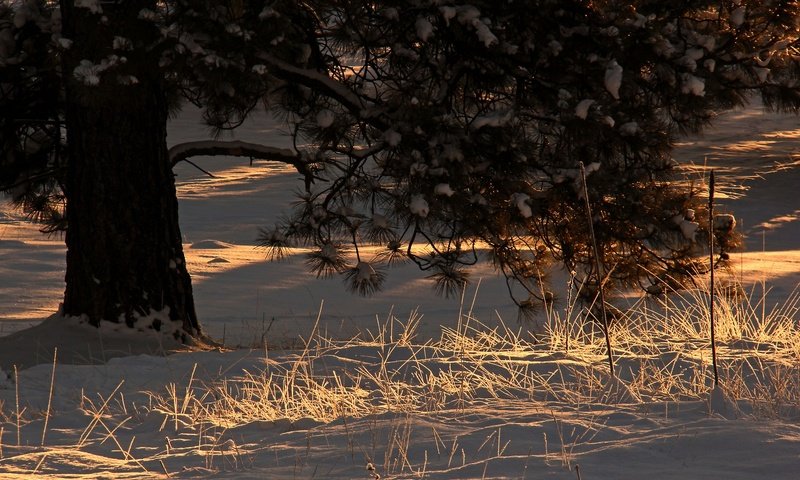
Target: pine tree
{"x": 84, "y": 123}
{"x": 453, "y": 133}
{"x": 86, "y": 88}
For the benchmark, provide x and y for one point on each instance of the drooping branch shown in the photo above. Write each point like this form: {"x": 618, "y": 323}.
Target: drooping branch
{"x": 320, "y": 82}
{"x": 183, "y": 151}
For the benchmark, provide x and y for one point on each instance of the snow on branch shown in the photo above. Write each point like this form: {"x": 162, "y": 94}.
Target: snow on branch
{"x": 184, "y": 151}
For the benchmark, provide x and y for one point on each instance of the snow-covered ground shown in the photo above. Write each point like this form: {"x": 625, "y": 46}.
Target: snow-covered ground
{"x": 427, "y": 387}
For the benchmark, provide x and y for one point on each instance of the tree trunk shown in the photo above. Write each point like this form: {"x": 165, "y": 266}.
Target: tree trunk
{"x": 125, "y": 259}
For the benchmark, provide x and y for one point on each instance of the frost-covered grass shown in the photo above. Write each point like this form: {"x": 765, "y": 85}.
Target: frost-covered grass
{"x": 662, "y": 347}
{"x": 476, "y": 402}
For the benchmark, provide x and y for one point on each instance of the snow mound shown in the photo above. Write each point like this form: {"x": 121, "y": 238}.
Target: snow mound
{"x": 76, "y": 342}
{"x": 12, "y": 243}
{"x": 720, "y": 404}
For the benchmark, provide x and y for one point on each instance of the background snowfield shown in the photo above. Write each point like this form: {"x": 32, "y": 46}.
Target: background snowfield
{"x": 409, "y": 384}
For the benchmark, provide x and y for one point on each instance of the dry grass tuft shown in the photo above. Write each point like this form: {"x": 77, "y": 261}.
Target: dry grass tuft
{"x": 662, "y": 353}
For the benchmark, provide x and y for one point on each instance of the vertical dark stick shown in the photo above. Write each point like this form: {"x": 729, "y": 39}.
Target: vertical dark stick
{"x": 711, "y": 263}
{"x": 599, "y": 267}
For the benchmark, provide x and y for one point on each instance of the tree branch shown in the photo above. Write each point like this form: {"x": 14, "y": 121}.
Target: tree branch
{"x": 183, "y": 151}
{"x": 320, "y": 82}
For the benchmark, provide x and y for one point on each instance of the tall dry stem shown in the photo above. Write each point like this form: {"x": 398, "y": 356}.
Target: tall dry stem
{"x": 599, "y": 267}
{"x": 50, "y": 396}
{"x": 711, "y": 295}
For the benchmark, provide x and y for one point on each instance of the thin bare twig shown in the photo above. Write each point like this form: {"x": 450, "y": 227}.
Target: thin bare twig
{"x": 599, "y": 267}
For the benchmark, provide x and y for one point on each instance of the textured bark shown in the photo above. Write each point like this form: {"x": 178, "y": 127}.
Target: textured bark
{"x": 125, "y": 259}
